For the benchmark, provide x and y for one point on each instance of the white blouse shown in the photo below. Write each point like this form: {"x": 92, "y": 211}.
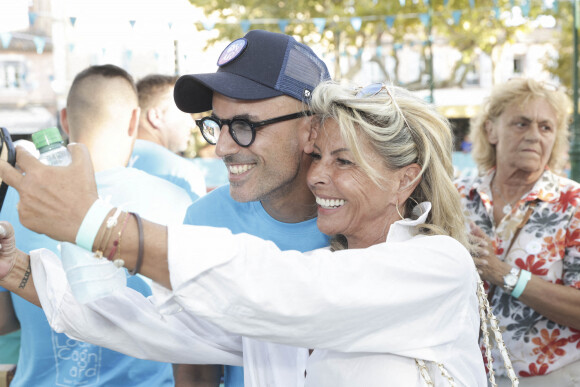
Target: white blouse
{"x": 367, "y": 313}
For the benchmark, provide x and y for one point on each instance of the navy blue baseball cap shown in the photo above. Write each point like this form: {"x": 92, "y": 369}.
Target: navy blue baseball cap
{"x": 260, "y": 65}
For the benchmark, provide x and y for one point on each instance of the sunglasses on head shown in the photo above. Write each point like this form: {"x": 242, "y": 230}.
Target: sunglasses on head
{"x": 374, "y": 89}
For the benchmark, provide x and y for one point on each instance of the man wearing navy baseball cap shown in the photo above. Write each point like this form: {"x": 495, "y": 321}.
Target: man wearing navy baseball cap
{"x": 260, "y": 124}
{"x": 260, "y": 65}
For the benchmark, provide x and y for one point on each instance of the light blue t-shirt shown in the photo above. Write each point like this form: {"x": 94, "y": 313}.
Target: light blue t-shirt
{"x": 49, "y": 359}
{"x": 161, "y": 162}
{"x": 218, "y": 209}
{"x": 9, "y": 347}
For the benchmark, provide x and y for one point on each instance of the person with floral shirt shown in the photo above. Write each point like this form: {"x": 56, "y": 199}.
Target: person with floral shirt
{"x": 526, "y": 217}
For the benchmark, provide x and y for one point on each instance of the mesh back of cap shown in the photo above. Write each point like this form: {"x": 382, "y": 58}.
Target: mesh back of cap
{"x": 302, "y": 72}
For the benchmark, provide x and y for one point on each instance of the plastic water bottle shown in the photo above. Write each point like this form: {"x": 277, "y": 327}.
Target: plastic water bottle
{"x": 51, "y": 147}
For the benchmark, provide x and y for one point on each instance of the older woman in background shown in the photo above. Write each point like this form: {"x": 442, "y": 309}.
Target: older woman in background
{"x": 528, "y": 215}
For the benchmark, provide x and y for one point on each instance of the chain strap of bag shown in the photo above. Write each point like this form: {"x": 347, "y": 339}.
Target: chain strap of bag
{"x": 486, "y": 315}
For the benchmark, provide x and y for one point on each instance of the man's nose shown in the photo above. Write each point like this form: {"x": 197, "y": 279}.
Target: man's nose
{"x": 225, "y": 144}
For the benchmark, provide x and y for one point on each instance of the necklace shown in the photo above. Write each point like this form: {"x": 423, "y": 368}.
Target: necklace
{"x": 507, "y": 209}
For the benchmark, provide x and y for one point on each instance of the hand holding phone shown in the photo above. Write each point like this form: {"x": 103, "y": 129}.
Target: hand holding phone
{"x": 8, "y": 154}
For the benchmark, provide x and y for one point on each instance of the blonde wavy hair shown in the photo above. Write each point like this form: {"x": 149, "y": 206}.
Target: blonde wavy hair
{"x": 402, "y": 129}
{"x": 520, "y": 91}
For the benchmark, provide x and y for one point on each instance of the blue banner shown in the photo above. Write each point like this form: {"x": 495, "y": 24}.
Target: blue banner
{"x": 6, "y": 38}
{"x": 245, "y": 24}
{"x": 39, "y": 43}
{"x": 320, "y": 23}
{"x": 282, "y": 24}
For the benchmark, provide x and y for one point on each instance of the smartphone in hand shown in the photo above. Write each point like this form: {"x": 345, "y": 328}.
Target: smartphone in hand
{"x": 8, "y": 154}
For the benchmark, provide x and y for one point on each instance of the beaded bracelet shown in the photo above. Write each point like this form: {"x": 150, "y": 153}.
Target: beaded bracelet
{"x": 139, "y": 262}
{"x": 525, "y": 276}
{"x": 119, "y": 262}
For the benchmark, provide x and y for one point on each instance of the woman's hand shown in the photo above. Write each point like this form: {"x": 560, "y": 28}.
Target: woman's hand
{"x": 489, "y": 266}
{"x": 8, "y": 251}
{"x": 15, "y": 270}
{"x": 554, "y": 301}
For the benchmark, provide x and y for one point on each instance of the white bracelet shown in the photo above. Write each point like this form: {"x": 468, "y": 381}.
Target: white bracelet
{"x": 525, "y": 276}
{"x": 92, "y": 223}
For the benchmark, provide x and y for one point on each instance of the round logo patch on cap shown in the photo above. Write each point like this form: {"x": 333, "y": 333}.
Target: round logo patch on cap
{"x": 232, "y": 51}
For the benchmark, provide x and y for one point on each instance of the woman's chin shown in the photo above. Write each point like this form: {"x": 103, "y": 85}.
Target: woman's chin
{"x": 329, "y": 228}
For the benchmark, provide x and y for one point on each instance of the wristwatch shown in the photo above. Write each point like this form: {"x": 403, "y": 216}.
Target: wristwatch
{"x": 511, "y": 279}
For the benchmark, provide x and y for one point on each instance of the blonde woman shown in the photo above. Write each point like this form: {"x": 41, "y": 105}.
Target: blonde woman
{"x": 394, "y": 302}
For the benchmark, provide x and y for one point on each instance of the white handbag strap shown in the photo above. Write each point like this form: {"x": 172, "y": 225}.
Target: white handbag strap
{"x": 427, "y": 378}
{"x": 486, "y": 315}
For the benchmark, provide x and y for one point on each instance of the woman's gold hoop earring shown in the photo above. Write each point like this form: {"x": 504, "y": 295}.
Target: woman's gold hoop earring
{"x": 414, "y": 201}
{"x": 398, "y": 212}
{"x": 416, "y": 204}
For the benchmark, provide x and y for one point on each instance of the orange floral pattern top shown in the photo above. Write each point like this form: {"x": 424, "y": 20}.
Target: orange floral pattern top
{"x": 549, "y": 247}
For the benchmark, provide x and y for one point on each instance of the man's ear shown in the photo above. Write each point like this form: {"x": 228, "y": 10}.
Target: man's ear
{"x": 315, "y": 125}
{"x": 314, "y": 129}
{"x": 311, "y": 132}
{"x": 64, "y": 121}
{"x": 491, "y": 132}
{"x": 134, "y": 123}
{"x": 408, "y": 178}
{"x": 154, "y": 118}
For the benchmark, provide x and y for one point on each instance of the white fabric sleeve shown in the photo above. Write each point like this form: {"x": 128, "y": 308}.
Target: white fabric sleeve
{"x": 379, "y": 299}
{"x": 129, "y": 323}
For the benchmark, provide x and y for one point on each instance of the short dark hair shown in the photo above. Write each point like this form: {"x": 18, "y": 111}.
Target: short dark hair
{"x": 107, "y": 71}
{"x": 149, "y": 87}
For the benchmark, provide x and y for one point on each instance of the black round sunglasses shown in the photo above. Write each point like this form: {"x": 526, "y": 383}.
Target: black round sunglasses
{"x": 242, "y": 130}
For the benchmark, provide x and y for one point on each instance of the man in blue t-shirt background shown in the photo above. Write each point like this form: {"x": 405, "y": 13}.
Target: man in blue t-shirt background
{"x": 164, "y": 132}
{"x": 102, "y": 112}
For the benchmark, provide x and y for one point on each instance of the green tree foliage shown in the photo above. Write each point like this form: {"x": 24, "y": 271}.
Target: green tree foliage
{"x": 561, "y": 65}
{"x": 469, "y": 26}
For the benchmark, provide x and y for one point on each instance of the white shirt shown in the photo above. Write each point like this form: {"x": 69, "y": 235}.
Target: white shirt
{"x": 368, "y": 312}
